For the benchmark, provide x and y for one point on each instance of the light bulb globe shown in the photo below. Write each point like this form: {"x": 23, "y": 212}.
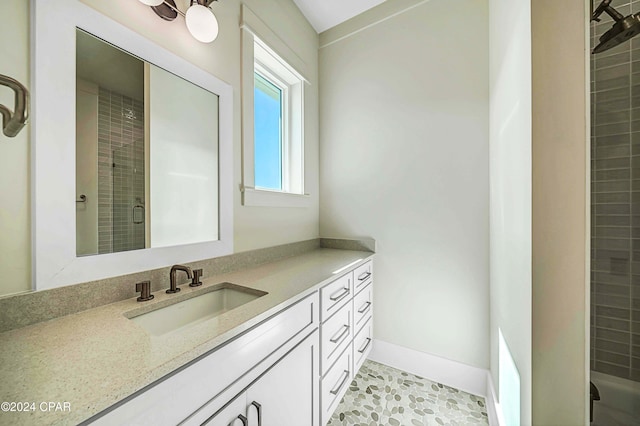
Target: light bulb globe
{"x": 152, "y": 2}
{"x": 202, "y": 23}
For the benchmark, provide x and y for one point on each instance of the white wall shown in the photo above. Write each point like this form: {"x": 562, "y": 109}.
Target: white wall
{"x": 510, "y": 165}
{"x": 15, "y": 223}
{"x": 404, "y": 159}
{"x": 183, "y": 158}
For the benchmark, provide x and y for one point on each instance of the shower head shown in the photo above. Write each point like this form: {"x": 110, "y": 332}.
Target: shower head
{"x": 623, "y": 29}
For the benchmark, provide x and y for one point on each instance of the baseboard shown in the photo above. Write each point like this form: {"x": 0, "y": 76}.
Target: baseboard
{"x": 494, "y": 411}
{"x": 451, "y": 373}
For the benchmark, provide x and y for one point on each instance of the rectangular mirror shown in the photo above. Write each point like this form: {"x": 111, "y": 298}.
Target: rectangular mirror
{"x": 146, "y": 154}
{"x": 132, "y": 151}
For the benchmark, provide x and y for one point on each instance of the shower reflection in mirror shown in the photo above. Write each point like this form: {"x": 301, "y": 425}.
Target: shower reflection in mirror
{"x": 110, "y": 168}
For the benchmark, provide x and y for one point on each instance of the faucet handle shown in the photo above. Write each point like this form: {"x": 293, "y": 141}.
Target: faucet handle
{"x": 144, "y": 288}
{"x": 195, "y": 281}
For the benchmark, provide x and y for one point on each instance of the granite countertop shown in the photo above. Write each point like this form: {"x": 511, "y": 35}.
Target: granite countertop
{"x": 92, "y": 359}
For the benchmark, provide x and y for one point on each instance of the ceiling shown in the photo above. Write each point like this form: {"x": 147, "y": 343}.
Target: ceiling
{"x": 325, "y": 14}
{"x": 108, "y": 66}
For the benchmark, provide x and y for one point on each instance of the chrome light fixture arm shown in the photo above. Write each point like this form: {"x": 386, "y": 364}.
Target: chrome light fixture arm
{"x": 170, "y": 4}
{"x": 200, "y": 20}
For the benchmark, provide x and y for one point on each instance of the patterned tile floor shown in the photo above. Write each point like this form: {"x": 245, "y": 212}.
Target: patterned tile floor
{"x": 380, "y": 395}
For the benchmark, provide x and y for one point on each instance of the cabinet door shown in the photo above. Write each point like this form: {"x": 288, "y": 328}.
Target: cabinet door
{"x": 233, "y": 414}
{"x": 287, "y": 395}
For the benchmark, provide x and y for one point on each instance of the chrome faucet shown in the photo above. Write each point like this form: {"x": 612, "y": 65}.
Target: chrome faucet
{"x": 172, "y": 276}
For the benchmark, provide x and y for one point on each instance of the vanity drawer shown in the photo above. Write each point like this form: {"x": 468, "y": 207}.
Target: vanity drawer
{"x": 362, "y": 345}
{"x": 362, "y": 275}
{"x": 335, "y": 335}
{"x": 335, "y": 295}
{"x": 335, "y": 384}
{"x": 362, "y": 307}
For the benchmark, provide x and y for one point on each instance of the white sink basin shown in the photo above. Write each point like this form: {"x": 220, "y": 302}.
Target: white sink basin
{"x": 215, "y": 301}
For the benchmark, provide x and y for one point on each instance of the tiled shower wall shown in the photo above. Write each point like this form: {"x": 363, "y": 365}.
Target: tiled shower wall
{"x": 615, "y": 203}
{"x": 120, "y": 173}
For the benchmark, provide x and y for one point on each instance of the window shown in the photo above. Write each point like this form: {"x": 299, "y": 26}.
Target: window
{"x": 273, "y": 139}
{"x": 268, "y": 132}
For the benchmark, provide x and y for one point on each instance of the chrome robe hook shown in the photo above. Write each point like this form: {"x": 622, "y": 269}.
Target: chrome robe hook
{"x": 13, "y": 122}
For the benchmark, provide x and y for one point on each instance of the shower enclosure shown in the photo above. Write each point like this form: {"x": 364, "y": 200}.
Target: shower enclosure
{"x": 122, "y": 205}
{"x": 615, "y": 221}
{"x": 110, "y": 209}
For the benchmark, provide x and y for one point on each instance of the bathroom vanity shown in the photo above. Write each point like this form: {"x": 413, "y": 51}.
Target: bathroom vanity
{"x": 273, "y": 373}
{"x": 285, "y": 357}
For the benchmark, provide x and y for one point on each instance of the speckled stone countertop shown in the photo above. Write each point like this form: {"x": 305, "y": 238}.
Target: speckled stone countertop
{"x": 95, "y": 358}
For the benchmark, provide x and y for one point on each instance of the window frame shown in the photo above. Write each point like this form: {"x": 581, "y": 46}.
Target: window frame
{"x": 281, "y": 69}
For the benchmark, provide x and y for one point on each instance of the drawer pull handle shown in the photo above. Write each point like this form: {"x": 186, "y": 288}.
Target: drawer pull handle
{"x": 366, "y": 345}
{"x": 363, "y": 276}
{"x": 259, "y": 409}
{"x": 364, "y": 308}
{"x": 345, "y": 329}
{"x": 339, "y": 295}
{"x": 240, "y": 417}
{"x": 342, "y": 382}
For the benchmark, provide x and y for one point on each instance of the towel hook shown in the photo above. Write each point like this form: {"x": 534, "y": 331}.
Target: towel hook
{"x": 13, "y": 122}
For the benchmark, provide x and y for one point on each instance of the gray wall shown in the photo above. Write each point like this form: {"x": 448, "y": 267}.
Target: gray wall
{"x": 615, "y": 205}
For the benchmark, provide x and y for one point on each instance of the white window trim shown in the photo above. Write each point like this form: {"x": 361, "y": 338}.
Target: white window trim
{"x": 294, "y": 194}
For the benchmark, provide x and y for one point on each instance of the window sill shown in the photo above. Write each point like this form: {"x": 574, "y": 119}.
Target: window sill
{"x": 252, "y": 197}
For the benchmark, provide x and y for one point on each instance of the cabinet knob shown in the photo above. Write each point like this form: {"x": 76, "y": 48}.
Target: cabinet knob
{"x": 364, "y": 308}
{"x": 364, "y": 276}
{"x": 259, "y": 409}
{"x": 345, "y": 329}
{"x": 339, "y": 295}
{"x": 242, "y": 419}
{"x": 342, "y": 382}
{"x": 366, "y": 345}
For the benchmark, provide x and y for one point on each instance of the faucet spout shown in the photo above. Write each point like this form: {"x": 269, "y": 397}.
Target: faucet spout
{"x": 172, "y": 277}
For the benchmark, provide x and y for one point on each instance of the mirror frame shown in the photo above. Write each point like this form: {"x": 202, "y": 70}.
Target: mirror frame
{"x": 53, "y": 71}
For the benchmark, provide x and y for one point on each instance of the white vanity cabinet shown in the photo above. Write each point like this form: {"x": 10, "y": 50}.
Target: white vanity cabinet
{"x": 284, "y": 395}
{"x": 346, "y": 333}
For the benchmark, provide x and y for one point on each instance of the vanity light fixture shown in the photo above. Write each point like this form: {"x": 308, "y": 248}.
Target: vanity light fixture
{"x": 200, "y": 20}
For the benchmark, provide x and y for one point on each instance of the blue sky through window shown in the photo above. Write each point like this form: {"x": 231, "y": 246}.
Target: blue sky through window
{"x": 267, "y": 134}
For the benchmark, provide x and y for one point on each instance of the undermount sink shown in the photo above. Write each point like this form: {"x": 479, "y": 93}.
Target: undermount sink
{"x": 215, "y": 301}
